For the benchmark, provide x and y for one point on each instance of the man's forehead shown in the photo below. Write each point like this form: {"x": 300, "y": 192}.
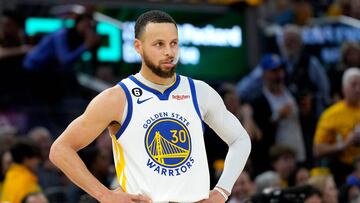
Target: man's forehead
{"x": 160, "y": 30}
{"x": 155, "y": 25}
{"x": 355, "y": 78}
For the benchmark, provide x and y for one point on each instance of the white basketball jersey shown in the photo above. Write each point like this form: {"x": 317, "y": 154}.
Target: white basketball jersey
{"x": 159, "y": 150}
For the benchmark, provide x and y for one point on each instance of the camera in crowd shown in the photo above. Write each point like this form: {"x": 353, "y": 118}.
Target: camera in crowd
{"x": 298, "y": 194}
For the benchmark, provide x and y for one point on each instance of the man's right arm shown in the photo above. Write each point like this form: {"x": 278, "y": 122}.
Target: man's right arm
{"x": 326, "y": 149}
{"x": 103, "y": 109}
{"x": 326, "y": 140}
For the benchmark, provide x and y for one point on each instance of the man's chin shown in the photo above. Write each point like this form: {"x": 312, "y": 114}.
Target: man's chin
{"x": 164, "y": 72}
{"x": 168, "y": 73}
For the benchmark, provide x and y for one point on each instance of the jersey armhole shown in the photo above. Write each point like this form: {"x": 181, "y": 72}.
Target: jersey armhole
{"x": 195, "y": 101}
{"x": 128, "y": 109}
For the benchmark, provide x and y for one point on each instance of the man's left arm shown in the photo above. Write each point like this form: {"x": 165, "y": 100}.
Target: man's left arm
{"x": 229, "y": 129}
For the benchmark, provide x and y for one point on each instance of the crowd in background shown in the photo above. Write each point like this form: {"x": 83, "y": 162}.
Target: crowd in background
{"x": 303, "y": 119}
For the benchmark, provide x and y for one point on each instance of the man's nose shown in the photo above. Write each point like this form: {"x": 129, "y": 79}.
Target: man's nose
{"x": 169, "y": 51}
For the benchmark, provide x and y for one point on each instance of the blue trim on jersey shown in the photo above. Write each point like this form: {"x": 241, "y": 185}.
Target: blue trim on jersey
{"x": 195, "y": 101}
{"x": 161, "y": 96}
{"x": 129, "y": 112}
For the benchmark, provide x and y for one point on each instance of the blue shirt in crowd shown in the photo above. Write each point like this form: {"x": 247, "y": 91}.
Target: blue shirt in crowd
{"x": 53, "y": 50}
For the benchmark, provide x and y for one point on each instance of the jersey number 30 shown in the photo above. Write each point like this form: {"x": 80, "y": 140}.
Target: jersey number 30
{"x": 178, "y": 135}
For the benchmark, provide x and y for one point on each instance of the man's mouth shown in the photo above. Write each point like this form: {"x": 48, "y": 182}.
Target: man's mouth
{"x": 168, "y": 63}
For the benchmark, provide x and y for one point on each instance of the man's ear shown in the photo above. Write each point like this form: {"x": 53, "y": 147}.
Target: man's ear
{"x": 138, "y": 46}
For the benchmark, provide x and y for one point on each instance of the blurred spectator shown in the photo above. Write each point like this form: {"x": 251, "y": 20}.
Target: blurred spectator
{"x": 267, "y": 181}
{"x": 276, "y": 113}
{"x": 12, "y": 52}
{"x": 7, "y": 133}
{"x": 308, "y": 120}
{"x": 216, "y": 150}
{"x": 339, "y": 7}
{"x": 303, "y": 194}
{"x": 354, "y": 177}
{"x": 283, "y": 162}
{"x": 276, "y": 11}
{"x": 12, "y": 37}
{"x": 243, "y": 112}
{"x": 20, "y": 179}
{"x": 349, "y": 193}
{"x": 5, "y": 162}
{"x": 355, "y": 9}
{"x": 337, "y": 135}
{"x": 282, "y": 12}
{"x": 104, "y": 143}
{"x": 304, "y": 72}
{"x": 49, "y": 175}
{"x": 43, "y": 138}
{"x": 313, "y": 197}
{"x": 98, "y": 164}
{"x": 349, "y": 57}
{"x": 51, "y": 61}
{"x": 243, "y": 189}
{"x": 60, "y": 49}
{"x": 300, "y": 176}
{"x": 250, "y": 86}
{"x": 36, "y": 197}
{"x": 303, "y": 12}
{"x": 327, "y": 187}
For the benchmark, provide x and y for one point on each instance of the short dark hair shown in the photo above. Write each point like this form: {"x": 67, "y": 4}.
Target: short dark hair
{"x": 278, "y": 151}
{"x": 24, "y": 148}
{"x": 153, "y": 16}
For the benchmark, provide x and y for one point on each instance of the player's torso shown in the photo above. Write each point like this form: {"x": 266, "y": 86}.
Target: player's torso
{"x": 161, "y": 142}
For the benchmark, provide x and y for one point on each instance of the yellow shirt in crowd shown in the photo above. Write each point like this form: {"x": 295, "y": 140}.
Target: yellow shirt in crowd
{"x": 19, "y": 182}
{"x": 334, "y": 126}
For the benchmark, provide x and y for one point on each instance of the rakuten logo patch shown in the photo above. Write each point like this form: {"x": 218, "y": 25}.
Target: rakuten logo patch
{"x": 180, "y": 97}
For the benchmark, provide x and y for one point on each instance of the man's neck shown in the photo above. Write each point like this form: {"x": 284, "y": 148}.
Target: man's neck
{"x": 150, "y": 76}
{"x": 352, "y": 104}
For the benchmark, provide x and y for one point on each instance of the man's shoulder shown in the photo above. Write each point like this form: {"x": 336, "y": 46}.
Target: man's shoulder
{"x": 114, "y": 91}
{"x": 112, "y": 95}
{"x": 335, "y": 109}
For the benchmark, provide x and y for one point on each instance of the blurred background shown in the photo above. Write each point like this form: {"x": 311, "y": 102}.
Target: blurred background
{"x": 55, "y": 56}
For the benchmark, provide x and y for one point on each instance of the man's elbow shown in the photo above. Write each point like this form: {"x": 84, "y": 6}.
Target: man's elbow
{"x": 55, "y": 152}
{"x": 248, "y": 143}
{"x": 244, "y": 142}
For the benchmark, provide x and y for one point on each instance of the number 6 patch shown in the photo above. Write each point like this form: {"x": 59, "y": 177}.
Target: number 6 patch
{"x": 137, "y": 92}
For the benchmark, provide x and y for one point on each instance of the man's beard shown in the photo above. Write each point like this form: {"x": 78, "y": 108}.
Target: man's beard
{"x": 157, "y": 69}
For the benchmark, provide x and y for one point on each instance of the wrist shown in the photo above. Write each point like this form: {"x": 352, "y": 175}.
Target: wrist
{"x": 102, "y": 196}
{"x": 222, "y": 192}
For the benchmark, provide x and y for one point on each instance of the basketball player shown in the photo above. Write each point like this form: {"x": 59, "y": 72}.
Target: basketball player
{"x": 155, "y": 120}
